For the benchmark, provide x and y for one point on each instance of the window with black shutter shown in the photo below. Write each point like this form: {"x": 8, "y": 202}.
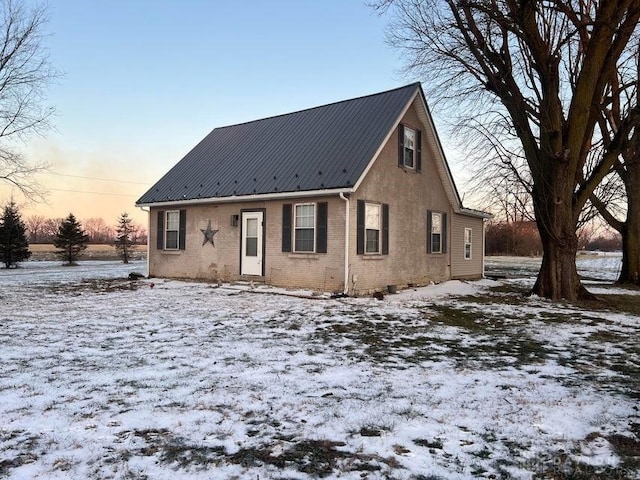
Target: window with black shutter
{"x": 360, "y": 228}
{"x": 160, "y": 231}
{"x": 436, "y": 232}
{"x": 409, "y": 148}
{"x": 286, "y": 227}
{"x": 171, "y": 230}
{"x": 321, "y": 227}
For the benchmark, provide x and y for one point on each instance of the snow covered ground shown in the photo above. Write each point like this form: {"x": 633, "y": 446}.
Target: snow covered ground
{"x": 102, "y": 377}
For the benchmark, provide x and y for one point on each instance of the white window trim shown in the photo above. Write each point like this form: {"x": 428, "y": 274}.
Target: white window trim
{"x": 166, "y": 229}
{"x": 439, "y": 214}
{"x": 469, "y": 243}
{"x": 379, "y": 229}
{"x": 413, "y": 155}
{"x": 295, "y": 226}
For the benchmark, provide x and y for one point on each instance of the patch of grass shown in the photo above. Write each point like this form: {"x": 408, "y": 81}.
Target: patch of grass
{"x": 319, "y": 458}
{"x": 313, "y": 457}
{"x": 27, "y": 445}
{"x": 436, "y": 443}
{"x": 106, "y": 285}
{"x": 629, "y": 304}
{"x": 459, "y": 317}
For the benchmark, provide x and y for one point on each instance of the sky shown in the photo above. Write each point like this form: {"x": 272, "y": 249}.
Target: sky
{"x": 144, "y": 81}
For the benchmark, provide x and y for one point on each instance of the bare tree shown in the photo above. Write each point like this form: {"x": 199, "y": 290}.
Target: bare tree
{"x": 98, "y": 231}
{"x": 25, "y": 73}
{"x": 536, "y": 71}
{"x": 34, "y": 224}
{"x": 50, "y": 229}
{"x": 618, "y": 199}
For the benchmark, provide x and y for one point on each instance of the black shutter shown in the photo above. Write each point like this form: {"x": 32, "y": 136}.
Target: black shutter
{"x": 385, "y": 229}
{"x": 400, "y": 145}
{"x": 418, "y": 151}
{"x": 360, "y": 228}
{"x": 321, "y": 227}
{"x": 160, "y": 231}
{"x": 286, "y": 227}
{"x": 429, "y": 231}
{"x": 444, "y": 233}
{"x": 182, "y": 232}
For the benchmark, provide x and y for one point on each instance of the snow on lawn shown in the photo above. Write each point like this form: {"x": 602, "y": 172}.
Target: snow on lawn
{"x": 102, "y": 377}
{"x": 604, "y": 266}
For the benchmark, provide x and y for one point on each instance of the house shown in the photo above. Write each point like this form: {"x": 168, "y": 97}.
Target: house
{"x": 350, "y": 197}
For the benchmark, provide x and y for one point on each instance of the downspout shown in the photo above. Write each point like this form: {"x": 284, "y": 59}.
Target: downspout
{"x": 148, "y": 236}
{"x": 484, "y": 222}
{"x": 346, "y": 243}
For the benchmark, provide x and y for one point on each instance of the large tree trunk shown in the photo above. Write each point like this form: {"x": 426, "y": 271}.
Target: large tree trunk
{"x": 553, "y": 202}
{"x": 558, "y": 276}
{"x": 630, "y": 231}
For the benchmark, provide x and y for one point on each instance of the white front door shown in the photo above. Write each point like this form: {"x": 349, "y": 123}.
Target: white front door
{"x": 251, "y": 257}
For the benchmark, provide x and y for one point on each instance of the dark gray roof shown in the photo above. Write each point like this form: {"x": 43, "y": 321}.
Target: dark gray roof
{"x": 326, "y": 147}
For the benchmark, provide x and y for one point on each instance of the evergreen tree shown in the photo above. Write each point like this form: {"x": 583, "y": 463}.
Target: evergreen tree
{"x": 124, "y": 239}
{"x": 14, "y": 244}
{"x": 70, "y": 240}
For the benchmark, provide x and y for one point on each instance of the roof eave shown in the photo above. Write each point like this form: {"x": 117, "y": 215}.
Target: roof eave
{"x": 474, "y": 213}
{"x": 249, "y": 198}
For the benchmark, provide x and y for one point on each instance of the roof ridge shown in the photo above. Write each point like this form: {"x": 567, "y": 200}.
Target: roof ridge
{"x": 414, "y": 84}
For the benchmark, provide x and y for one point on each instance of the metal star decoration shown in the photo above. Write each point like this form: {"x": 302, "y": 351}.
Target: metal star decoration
{"x": 208, "y": 234}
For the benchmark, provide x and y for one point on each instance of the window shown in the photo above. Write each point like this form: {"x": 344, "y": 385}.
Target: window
{"x": 172, "y": 228}
{"x": 251, "y": 238}
{"x": 372, "y": 232}
{"x": 436, "y": 232}
{"x": 372, "y": 228}
{"x": 467, "y": 243}
{"x": 304, "y": 228}
{"x": 409, "y": 147}
{"x": 299, "y": 232}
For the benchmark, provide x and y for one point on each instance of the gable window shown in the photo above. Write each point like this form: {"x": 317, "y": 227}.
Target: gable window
{"x": 171, "y": 230}
{"x": 304, "y": 225}
{"x": 372, "y": 228}
{"x": 409, "y": 147}
{"x": 467, "y": 243}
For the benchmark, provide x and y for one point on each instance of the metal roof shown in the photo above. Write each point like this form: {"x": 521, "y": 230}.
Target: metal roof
{"x": 321, "y": 148}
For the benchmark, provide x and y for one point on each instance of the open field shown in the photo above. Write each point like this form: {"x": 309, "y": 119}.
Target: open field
{"x": 103, "y": 377}
{"x": 46, "y": 251}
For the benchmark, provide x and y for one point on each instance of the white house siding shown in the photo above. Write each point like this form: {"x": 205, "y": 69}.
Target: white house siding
{"x": 462, "y": 268}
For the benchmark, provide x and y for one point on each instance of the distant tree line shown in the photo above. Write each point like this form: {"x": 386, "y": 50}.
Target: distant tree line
{"x": 521, "y": 238}
{"x": 66, "y": 234}
{"x": 45, "y": 230}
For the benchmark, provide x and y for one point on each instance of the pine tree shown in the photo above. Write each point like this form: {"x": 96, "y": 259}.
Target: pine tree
{"x": 70, "y": 240}
{"x": 14, "y": 244}
{"x": 124, "y": 239}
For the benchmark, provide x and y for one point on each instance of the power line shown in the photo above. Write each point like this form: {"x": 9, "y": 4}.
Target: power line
{"x": 92, "y": 193}
{"x": 96, "y": 178}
